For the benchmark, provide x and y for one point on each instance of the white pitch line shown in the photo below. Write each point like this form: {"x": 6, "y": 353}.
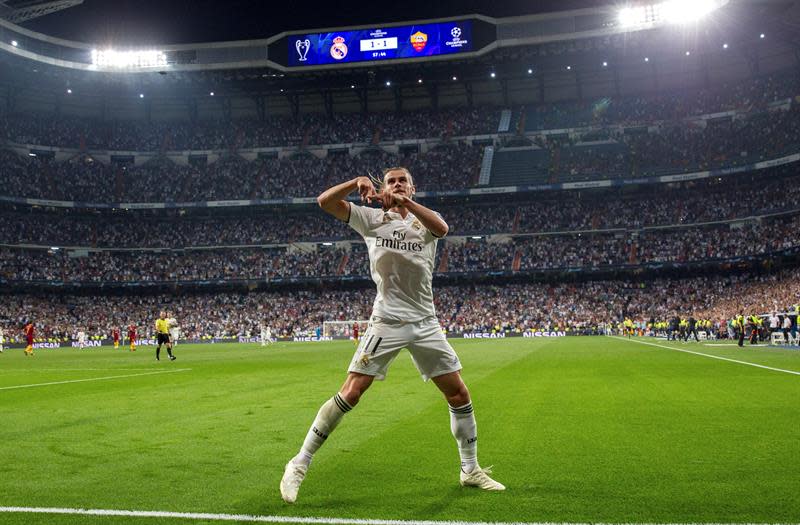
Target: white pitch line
{"x": 94, "y": 379}
{"x": 712, "y": 356}
{"x": 278, "y": 519}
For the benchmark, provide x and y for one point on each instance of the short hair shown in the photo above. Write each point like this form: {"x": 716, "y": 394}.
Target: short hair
{"x": 399, "y": 168}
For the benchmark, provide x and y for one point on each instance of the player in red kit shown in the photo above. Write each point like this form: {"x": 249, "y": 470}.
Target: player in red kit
{"x": 355, "y": 332}
{"x": 28, "y": 329}
{"x": 115, "y": 335}
{"x": 132, "y": 336}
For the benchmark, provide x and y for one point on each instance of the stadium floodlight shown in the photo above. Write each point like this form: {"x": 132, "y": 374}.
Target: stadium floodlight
{"x": 352, "y": 86}
{"x": 530, "y": 71}
{"x": 724, "y": 46}
{"x": 419, "y": 81}
{"x": 388, "y": 83}
{"x": 455, "y": 77}
{"x": 69, "y": 91}
{"x": 605, "y": 64}
{"x": 14, "y": 43}
{"x": 31, "y": 154}
{"x": 670, "y": 12}
{"x": 762, "y": 35}
{"x": 110, "y": 58}
{"x": 646, "y": 59}
{"x": 141, "y": 95}
{"x": 493, "y": 74}
{"x": 688, "y": 53}
{"x": 569, "y": 68}
{"x": 211, "y": 94}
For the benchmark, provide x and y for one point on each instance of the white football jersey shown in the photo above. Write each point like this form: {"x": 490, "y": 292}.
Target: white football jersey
{"x": 402, "y": 253}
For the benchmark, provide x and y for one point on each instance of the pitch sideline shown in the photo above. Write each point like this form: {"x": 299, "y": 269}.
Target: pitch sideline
{"x": 106, "y": 378}
{"x": 266, "y": 519}
{"x": 712, "y": 356}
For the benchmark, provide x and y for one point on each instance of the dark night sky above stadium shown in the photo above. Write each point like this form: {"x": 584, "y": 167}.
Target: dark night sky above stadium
{"x": 186, "y": 21}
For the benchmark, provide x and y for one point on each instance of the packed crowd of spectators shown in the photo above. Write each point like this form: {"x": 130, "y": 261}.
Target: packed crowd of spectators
{"x": 464, "y": 308}
{"x": 527, "y": 252}
{"x": 705, "y": 201}
{"x": 447, "y": 167}
{"x": 753, "y": 94}
{"x": 309, "y": 129}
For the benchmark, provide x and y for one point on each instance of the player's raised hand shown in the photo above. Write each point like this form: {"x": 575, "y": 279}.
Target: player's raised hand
{"x": 367, "y": 190}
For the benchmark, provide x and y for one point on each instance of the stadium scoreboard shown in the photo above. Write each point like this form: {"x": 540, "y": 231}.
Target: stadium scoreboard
{"x": 423, "y": 40}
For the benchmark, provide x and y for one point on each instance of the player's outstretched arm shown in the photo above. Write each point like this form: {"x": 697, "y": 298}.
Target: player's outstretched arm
{"x": 333, "y": 200}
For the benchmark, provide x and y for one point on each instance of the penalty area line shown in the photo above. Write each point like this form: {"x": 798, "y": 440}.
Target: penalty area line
{"x": 711, "y": 356}
{"x": 263, "y": 519}
{"x": 106, "y": 378}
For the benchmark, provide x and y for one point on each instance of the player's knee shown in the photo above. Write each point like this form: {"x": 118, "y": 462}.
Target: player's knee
{"x": 458, "y": 397}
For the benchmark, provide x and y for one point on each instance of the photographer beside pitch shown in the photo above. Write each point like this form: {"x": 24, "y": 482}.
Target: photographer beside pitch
{"x": 401, "y": 241}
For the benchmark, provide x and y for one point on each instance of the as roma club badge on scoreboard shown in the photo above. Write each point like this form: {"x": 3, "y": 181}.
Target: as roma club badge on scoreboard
{"x": 339, "y": 48}
{"x": 418, "y": 41}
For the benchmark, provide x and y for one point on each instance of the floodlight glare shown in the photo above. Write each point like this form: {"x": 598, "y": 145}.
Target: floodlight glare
{"x": 128, "y": 59}
{"x": 455, "y": 78}
{"x": 724, "y": 46}
{"x": 492, "y": 74}
{"x": 14, "y": 43}
{"x": 530, "y": 71}
{"x": 69, "y": 91}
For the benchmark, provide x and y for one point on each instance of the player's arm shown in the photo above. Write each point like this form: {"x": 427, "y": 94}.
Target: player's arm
{"x": 429, "y": 218}
{"x": 333, "y": 200}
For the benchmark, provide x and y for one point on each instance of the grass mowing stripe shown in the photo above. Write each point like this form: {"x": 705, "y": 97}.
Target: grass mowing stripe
{"x": 273, "y": 519}
{"x": 712, "y": 356}
{"x": 94, "y": 379}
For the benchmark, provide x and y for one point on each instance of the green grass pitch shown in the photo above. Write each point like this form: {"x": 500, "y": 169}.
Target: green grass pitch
{"x": 579, "y": 429}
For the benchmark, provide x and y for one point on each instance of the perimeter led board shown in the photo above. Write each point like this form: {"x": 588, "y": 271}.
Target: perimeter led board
{"x": 373, "y": 45}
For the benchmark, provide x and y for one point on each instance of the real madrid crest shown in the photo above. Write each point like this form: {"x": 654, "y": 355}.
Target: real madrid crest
{"x": 416, "y": 224}
{"x": 386, "y": 219}
{"x": 339, "y": 48}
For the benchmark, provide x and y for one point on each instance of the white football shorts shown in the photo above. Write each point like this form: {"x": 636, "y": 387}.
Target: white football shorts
{"x": 382, "y": 341}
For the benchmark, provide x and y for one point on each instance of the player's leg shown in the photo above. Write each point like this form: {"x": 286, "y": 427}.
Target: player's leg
{"x": 436, "y": 360}
{"x": 328, "y": 418}
{"x": 169, "y": 350}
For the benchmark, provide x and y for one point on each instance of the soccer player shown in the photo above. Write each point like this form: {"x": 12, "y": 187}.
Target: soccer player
{"x": 115, "y": 335}
{"x": 2, "y": 339}
{"x": 174, "y": 330}
{"x": 266, "y": 335}
{"x": 355, "y": 332}
{"x": 162, "y": 336}
{"x": 401, "y": 243}
{"x": 29, "y": 332}
{"x": 81, "y": 339}
{"x": 132, "y": 336}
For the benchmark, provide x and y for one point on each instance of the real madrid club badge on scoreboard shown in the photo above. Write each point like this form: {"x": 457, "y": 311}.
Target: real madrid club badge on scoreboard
{"x": 399, "y": 42}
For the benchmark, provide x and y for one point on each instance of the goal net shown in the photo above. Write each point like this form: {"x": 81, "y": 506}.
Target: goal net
{"x": 343, "y": 328}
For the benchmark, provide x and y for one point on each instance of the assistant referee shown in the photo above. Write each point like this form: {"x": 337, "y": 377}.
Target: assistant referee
{"x": 162, "y": 335}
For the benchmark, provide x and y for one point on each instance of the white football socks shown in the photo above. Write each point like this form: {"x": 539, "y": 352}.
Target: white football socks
{"x": 329, "y": 415}
{"x": 465, "y": 430}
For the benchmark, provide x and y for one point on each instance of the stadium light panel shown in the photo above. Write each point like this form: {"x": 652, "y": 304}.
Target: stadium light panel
{"x": 31, "y": 154}
{"x": 111, "y": 58}
{"x": 493, "y": 74}
{"x": 762, "y": 35}
{"x": 646, "y": 59}
{"x": 14, "y": 43}
{"x": 569, "y": 68}
{"x": 211, "y": 94}
{"x": 530, "y": 71}
{"x": 670, "y": 11}
{"x": 605, "y": 64}
{"x": 352, "y": 86}
{"x": 388, "y": 83}
{"x": 69, "y": 91}
{"x": 419, "y": 81}
{"x": 141, "y": 95}
{"x": 724, "y": 46}
{"x": 688, "y": 53}
{"x": 455, "y": 77}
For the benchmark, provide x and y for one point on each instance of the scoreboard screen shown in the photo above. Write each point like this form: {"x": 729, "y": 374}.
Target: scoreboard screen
{"x": 366, "y": 45}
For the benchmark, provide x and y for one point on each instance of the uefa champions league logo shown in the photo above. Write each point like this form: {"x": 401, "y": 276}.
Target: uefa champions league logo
{"x": 302, "y": 47}
{"x": 455, "y": 33}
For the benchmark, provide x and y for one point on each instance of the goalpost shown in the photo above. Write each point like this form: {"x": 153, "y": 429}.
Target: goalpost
{"x": 343, "y": 328}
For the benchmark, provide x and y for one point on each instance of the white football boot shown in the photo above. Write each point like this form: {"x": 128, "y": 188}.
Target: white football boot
{"x": 479, "y": 477}
{"x": 293, "y": 476}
